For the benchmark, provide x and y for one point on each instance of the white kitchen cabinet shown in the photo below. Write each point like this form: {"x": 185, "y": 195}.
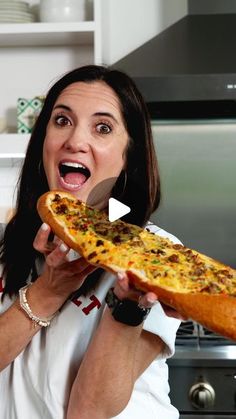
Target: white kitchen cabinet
{"x": 13, "y": 146}
{"x": 34, "y": 55}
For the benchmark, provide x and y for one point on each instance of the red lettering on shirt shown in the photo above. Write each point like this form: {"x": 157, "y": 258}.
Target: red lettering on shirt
{"x": 77, "y": 302}
{"x": 87, "y": 309}
{"x": 94, "y": 303}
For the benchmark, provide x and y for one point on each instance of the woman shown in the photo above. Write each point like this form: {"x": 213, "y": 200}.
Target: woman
{"x": 93, "y": 139}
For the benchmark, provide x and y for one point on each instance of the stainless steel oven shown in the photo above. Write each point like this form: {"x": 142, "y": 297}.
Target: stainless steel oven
{"x": 203, "y": 374}
{"x": 197, "y": 163}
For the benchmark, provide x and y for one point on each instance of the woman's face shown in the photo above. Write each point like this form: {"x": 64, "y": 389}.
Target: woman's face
{"x": 85, "y": 143}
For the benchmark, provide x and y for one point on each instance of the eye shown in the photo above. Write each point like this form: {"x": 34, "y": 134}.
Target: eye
{"x": 62, "y": 120}
{"x": 103, "y": 128}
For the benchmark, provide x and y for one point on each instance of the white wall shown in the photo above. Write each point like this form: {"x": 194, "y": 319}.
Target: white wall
{"x": 33, "y": 75}
{"x": 149, "y": 17}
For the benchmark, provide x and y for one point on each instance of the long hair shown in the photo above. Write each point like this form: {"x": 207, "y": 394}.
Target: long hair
{"x": 141, "y": 190}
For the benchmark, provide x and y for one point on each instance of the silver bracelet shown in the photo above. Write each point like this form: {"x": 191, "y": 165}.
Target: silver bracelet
{"x": 44, "y": 322}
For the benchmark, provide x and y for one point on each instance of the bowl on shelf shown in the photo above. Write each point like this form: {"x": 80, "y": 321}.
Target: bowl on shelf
{"x": 61, "y": 10}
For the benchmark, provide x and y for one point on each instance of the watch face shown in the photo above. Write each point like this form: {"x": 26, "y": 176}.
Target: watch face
{"x": 128, "y": 312}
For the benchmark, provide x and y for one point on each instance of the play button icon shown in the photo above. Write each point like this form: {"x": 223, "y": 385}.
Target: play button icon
{"x": 116, "y": 209}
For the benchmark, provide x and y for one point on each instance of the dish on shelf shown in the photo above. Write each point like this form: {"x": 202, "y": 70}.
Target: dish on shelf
{"x": 16, "y": 20}
{"x": 15, "y": 17}
{"x": 61, "y": 10}
{"x": 14, "y": 5}
{"x": 10, "y": 6}
{"x": 15, "y": 12}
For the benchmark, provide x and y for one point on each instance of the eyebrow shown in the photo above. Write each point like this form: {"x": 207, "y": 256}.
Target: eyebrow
{"x": 67, "y": 108}
{"x": 108, "y": 114}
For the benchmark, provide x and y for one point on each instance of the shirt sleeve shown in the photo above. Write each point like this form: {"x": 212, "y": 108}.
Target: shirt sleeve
{"x": 160, "y": 232}
{"x": 163, "y": 326}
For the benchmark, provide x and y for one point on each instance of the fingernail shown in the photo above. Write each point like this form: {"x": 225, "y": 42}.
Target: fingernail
{"x": 151, "y": 300}
{"x": 44, "y": 227}
{"x": 64, "y": 248}
{"x": 120, "y": 276}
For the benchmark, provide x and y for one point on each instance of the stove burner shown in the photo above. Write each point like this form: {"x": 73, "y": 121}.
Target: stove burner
{"x": 192, "y": 333}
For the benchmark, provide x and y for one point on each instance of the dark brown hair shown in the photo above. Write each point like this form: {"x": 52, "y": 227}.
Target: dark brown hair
{"x": 142, "y": 188}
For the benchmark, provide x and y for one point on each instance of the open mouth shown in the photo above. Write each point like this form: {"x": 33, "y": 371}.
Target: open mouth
{"x": 73, "y": 174}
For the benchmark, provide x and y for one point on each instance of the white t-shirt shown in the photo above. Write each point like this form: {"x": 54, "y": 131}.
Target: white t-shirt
{"x": 37, "y": 384}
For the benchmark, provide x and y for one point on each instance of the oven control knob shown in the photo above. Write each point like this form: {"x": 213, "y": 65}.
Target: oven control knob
{"x": 202, "y": 395}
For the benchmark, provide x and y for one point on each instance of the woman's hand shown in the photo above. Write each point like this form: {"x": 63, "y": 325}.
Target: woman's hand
{"x": 124, "y": 290}
{"x": 60, "y": 276}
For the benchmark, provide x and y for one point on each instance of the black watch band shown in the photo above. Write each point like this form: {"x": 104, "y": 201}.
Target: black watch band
{"x": 126, "y": 311}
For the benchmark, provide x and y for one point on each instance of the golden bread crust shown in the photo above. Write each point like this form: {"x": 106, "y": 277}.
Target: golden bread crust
{"x": 196, "y": 285}
{"x": 216, "y": 312}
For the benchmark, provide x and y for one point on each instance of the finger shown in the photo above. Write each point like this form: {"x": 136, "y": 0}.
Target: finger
{"x": 79, "y": 265}
{"x": 73, "y": 255}
{"x": 58, "y": 255}
{"x": 41, "y": 238}
{"x": 124, "y": 290}
{"x": 89, "y": 270}
{"x": 123, "y": 281}
{"x": 147, "y": 300}
{"x": 56, "y": 240}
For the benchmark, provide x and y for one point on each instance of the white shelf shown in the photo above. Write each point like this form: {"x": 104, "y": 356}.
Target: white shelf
{"x": 13, "y": 146}
{"x": 37, "y": 40}
{"x": 45, "y": 34}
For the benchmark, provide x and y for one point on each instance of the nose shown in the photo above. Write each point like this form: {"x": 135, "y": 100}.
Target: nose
{"x": 78, "y": 140}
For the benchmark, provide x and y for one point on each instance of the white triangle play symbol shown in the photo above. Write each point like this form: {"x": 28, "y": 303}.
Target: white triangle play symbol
{"x": 116, "y": 209}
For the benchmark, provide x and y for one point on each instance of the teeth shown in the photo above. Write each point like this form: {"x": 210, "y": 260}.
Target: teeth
{"x": 73, "y": 164}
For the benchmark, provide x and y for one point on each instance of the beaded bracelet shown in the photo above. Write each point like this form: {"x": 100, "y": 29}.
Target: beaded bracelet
{"x": 44, "y": 322}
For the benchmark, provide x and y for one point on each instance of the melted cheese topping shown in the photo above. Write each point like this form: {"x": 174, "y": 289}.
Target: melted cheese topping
{"x": 128, "y": 246}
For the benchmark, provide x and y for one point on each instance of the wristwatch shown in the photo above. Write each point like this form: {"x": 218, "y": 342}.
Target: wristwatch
{"x": 126, "y": 311}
